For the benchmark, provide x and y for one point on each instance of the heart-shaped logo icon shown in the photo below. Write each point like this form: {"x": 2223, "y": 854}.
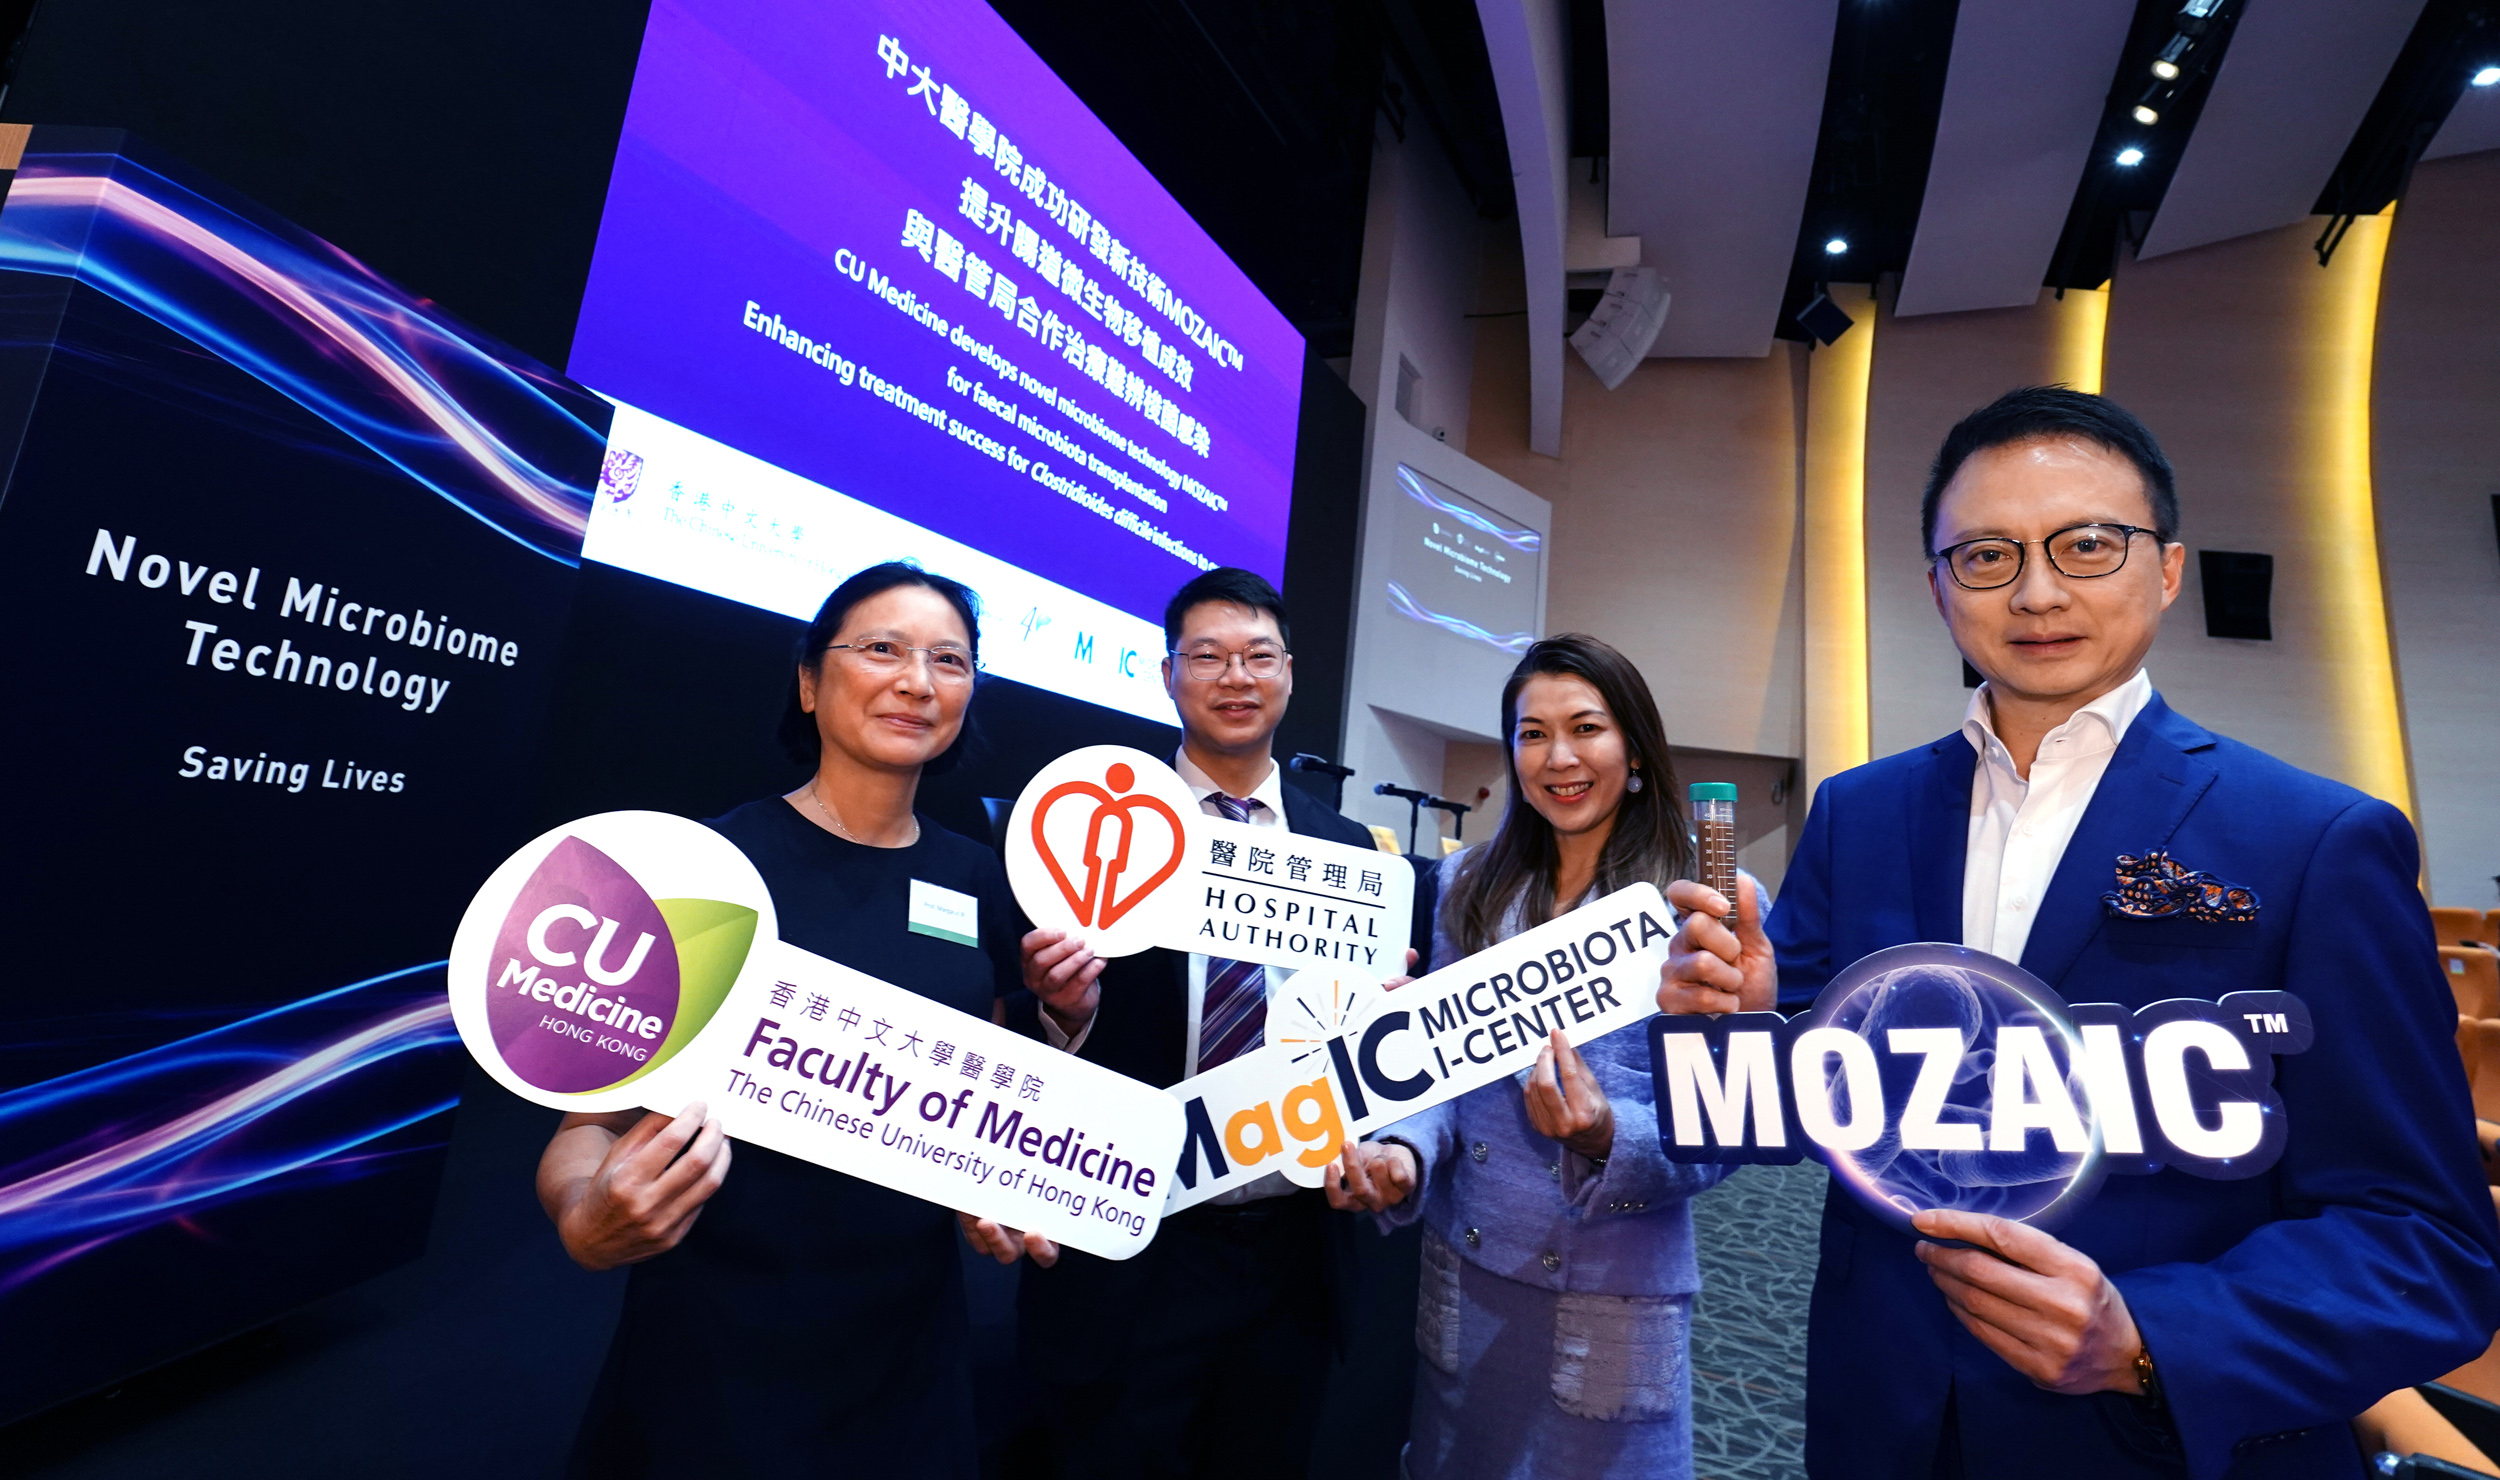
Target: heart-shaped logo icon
{"x": 1111, "y": 846}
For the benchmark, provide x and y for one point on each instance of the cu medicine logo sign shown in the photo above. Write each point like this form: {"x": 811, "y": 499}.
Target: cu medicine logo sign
{"x": 588, "y": 983}
{"x": 1934, "y": 1076}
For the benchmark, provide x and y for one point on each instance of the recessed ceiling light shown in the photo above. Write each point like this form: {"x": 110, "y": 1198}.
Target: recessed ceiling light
{"x": 2145, "y": 114}
{"x": 2487, "y": 77}
{"x": 1837, "y": 246}
{"x": 2166, "y": 69}
{"x": 2130, "y": 157}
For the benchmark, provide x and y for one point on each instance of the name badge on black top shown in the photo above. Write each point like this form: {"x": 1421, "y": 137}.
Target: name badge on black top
{"x": 945, "y": 913}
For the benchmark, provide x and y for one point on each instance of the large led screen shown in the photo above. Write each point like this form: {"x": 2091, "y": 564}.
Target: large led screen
{"x": 872, "y": 283}
{"x": 286, "y": 561}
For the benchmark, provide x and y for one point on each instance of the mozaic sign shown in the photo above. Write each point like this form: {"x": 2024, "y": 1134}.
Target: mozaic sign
{"x": 1935, "y": 1076}
{"x": 1107, "y": 843}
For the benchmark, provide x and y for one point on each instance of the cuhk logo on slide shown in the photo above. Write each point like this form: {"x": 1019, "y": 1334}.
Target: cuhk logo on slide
{"x": 586, "y": 982}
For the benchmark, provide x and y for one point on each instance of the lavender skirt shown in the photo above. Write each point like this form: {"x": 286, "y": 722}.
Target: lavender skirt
{"x": 1514, "y": 1382}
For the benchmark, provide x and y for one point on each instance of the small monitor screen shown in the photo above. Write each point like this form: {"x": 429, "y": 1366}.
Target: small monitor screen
{"x": 872, "y": 284}
{"x": 1461, "y": 567}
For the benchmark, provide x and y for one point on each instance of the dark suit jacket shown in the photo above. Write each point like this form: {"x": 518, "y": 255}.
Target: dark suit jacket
{"x": 2276, "y": 1307}
{"x": 1075, "y": 1317}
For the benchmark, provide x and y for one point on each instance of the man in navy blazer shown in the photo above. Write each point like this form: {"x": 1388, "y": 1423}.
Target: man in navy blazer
{"x": 2178, "y": 1326}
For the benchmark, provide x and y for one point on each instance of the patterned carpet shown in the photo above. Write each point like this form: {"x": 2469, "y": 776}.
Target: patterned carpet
{"x": 1756, "y": 1237}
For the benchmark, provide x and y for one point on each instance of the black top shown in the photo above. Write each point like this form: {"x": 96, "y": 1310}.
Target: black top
{"x": 813, "y": 1323}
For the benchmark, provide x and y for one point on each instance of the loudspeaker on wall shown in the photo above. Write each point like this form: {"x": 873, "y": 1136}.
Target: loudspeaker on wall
{"x": 2239, "y": 593}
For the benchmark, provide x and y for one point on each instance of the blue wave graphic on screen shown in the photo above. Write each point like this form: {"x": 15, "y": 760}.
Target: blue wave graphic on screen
{"x": 1517, "y": 539}
{"x": 306, "y": 1089}
{"x": 1405, "y": 605}
{"x": 474, "y": 423}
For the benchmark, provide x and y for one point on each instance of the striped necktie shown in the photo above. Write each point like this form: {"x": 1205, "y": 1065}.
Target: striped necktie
{"x": 1233, "y": 1020}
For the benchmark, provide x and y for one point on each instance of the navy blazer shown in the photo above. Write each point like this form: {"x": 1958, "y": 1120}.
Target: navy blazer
{"x": 2277, "y": 1307}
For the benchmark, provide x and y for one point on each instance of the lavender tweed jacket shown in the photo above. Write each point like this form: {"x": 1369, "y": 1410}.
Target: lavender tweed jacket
{"x": 1519, "y": 1205}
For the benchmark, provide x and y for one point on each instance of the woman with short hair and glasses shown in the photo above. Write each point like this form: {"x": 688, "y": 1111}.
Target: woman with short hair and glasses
{"x": 789, "y": 1319}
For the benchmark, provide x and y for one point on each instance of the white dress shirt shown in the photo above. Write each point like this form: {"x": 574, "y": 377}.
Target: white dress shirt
{"x": 1270, "y": 795}
{"x": 2019, "y": 828}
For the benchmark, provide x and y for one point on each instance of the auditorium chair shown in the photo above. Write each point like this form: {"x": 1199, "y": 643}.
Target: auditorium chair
{"x": 2456, "y": 927}
{"x": 2405, "y": 1423}
{"x": 2474, "y": 978}
{"x": 2482, "y": 1066}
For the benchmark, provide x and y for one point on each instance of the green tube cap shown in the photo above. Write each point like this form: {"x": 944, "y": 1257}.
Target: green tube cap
{"x": 1712, "y": 791}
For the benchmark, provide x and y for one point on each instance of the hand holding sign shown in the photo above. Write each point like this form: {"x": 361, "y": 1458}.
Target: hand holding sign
{"x": 1371, "y": 1177}
{"x": 619, "y": 1199}
{"x": 2040, "y": 1304}
{"x": 1566, "y": 1103}
{"x": 1004, "y": 1244}
{"x": 1064, "y": 975}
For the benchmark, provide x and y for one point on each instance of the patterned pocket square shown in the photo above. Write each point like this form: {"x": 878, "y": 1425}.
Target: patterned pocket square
{"x": 2157, "y": 887}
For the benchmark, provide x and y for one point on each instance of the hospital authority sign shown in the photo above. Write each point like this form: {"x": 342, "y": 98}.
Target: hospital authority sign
{"x": 1108, "y": 844}
{"x": 630, "y": 960}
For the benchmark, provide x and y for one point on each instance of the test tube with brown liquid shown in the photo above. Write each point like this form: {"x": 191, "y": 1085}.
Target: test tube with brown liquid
{"x": 1714, "y": 828}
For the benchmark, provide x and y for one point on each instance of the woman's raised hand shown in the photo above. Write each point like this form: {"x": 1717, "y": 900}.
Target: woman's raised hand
{"x": 1710, "y": 968}
{"x": 1370, "y": 1176}
{"x": 620, "y": 1194}
{"x": 1566, "y": 1103}
{"x": 1004, "y": 1244}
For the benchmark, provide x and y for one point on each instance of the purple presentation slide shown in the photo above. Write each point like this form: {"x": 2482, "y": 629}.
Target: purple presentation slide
{"x": 877, "y": 244}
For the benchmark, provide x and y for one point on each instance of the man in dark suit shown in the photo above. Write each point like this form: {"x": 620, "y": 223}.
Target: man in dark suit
{"x": 1204, "y": 1354}
{"x": 2179, "y": 1325}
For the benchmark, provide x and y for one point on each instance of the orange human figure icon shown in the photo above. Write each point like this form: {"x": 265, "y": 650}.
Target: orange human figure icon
{"x": 1110, "y": 835}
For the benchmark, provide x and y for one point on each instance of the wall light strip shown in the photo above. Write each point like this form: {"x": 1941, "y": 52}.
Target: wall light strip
{"x": 2081, "y": 329}
{"x": 1837, "y": 375}
{"x": 2341, "y": 517}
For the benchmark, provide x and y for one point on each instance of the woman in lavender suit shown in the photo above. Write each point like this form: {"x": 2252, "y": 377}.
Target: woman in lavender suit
{"x": 1558, "y": 1245}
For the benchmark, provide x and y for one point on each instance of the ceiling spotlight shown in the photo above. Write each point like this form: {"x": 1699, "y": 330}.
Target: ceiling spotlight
{"x": 2166, "y": 69}
{"x": 1836, "y": 247}
{"x": 2130, "y": 157}
{"x": 2145, "y": 114}
{"x": 2487, "y": 77}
